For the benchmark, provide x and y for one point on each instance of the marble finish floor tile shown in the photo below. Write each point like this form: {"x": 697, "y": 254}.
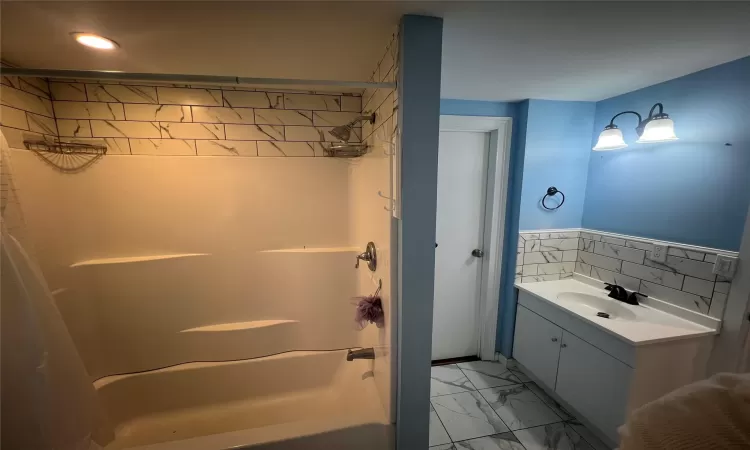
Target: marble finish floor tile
{"x": 558, "y": 436}
{"x": 520, "y": 375}
{"x": 519, "y": 407}
{"x": 449, "y": 380}
{"x": 549, "y": 401}
{"x": 588, "y": 435}
{"x": 444, "y": 447}
{"x": 503, "y": 441}
{"x": 487, "y": 374}
{"x": 438, "y": 435}
{"x": 467, "y": 416}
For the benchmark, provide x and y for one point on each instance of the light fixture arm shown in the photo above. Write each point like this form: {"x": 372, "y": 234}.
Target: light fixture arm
{"x": 659, "y": 115}
{"x": 612, "y": 122}
{"x": 641, "y": 123}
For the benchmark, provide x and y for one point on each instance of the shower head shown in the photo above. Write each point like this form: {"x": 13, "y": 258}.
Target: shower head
{"x": 344, "y": 132}
{"x": 341, "y": 132}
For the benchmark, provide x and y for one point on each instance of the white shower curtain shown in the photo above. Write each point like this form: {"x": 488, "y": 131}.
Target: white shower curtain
{"x": 47, "y": 400}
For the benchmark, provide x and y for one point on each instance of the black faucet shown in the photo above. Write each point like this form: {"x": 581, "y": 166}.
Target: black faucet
{"x": 619, "y": 293}
{"x": 633, "y": 298}
{"x": 616, "y": 292}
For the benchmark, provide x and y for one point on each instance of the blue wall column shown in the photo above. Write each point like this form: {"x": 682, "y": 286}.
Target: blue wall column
{"x": 506, "y": 322}
{"x": 419, "y": 121}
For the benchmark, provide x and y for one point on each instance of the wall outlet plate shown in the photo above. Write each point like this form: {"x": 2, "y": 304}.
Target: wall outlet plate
{"x": 659, "y": 252}
{"x": 725, "y": 266}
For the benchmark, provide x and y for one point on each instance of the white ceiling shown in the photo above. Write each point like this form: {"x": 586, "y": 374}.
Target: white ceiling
{"x": 584, "y": 51}
{"x": 270, "y": 39}
{"x": 491, "y": 50}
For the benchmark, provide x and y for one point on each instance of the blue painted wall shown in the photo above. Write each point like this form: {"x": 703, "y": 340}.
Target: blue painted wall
{"x": 419, "y": 120}
{"x": 695, "y": 190}
{"x": 556, "y": 154}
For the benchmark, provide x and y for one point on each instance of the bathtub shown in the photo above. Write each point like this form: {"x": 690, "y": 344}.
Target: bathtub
{"x": 296, "y": 400}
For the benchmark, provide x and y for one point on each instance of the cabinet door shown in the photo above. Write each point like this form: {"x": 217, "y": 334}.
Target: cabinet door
{"x": 537, "y": 345}
{"x": 594, "y": 383}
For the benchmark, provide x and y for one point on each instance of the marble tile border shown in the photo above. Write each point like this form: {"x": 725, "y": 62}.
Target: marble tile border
{"x": 33, "y": 85}
{"x": 384, "y": 102}
{"x": 546, "y": 255}
{"x": 243, "y": 117}
{"x": 685, "y": 280}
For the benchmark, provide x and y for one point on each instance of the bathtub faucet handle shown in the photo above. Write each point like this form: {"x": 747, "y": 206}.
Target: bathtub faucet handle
{"x": 362, "y": 257}
{"x": 369, "y": 256}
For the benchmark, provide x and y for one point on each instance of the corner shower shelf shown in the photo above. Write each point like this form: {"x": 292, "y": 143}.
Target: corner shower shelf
{"x": 134, "y": 259}
{"x": 235, "y": 326}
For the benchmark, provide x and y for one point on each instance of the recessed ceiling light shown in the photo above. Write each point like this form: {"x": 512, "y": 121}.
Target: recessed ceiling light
{"x": 95, "y": 41}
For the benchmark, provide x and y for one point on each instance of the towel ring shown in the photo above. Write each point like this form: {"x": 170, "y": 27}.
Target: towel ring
{"x": 551, "y": 191}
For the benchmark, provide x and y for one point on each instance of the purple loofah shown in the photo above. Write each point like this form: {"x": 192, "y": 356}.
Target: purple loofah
{"x": 369, "y": 309}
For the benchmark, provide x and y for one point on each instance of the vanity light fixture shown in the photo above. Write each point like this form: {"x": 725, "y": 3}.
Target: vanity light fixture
{"x": 656, "y": 128}
{"x": 95, "y": 41}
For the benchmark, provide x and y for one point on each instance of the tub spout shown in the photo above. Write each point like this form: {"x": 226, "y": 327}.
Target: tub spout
{"x": 365, "y": 353}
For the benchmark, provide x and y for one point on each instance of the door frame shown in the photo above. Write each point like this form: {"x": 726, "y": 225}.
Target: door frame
{"x": 496, "y": 193}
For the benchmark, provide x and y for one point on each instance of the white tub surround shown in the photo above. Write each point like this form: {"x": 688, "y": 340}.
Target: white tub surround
{"x": 204, "y": 267}
{"x": 371, "y": 177}
{"x": 603, "y": 368}
{"x": 293, "y": 400}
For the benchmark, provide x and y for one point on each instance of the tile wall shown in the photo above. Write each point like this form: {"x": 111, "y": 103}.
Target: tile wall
{"x": 176, "y": 119}
{"x": 383, "y": 101}
{"x": 685, "y": 279}
{"x": 546, "y": 256}
{"x": 26, "y": 108}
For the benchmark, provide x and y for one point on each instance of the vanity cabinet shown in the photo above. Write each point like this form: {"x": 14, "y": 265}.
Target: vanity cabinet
{"x": 537, "y": 345}
{"x": 594, "y": 373}
{"x": 593, "y": 382}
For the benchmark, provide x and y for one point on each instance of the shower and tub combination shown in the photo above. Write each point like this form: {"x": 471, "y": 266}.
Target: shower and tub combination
{"x": 199, "y": 278}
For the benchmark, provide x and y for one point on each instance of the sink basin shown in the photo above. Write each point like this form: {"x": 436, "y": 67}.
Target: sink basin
{"x": 591, "y": 304}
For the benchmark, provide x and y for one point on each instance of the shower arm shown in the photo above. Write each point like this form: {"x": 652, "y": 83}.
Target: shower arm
{"x": 343, "y": 132}
{"x": 368, "y": 117}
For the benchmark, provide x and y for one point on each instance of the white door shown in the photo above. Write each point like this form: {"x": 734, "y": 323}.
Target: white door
{"x": 462, "y": 181}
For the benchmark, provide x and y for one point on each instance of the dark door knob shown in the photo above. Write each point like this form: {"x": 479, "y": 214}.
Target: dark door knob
{"x": 477, "y": 252}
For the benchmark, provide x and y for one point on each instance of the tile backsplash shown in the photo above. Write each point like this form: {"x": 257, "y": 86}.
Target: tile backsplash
{"x": 546, "y": 256}
{"x": 685, "y": 279}
{"x": 176, "y": 119}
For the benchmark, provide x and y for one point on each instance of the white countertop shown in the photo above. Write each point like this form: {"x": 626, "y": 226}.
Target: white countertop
{"x": 649, "y": 326}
